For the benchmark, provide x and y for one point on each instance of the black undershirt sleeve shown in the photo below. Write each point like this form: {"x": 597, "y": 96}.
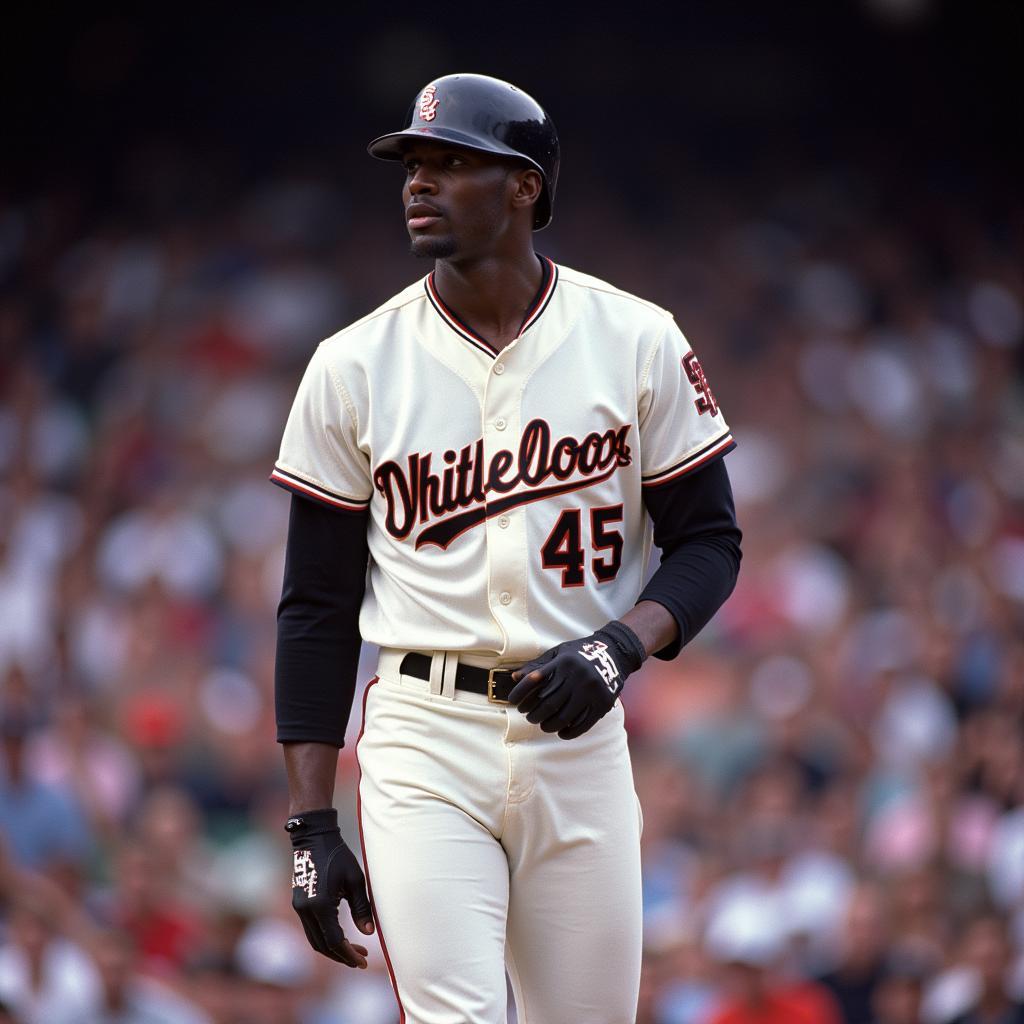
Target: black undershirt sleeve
{"x": 318, "y": 622}
{"x": 695, "y": 527}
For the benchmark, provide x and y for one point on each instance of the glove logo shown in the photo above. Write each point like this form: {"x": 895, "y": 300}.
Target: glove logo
{"x": 597, "y": 652}
{"x": 304, "y": 875}
{"x": 428, "y": 103}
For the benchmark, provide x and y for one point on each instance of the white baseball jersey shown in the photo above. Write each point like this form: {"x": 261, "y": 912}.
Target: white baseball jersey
{"x": 505, "y": 489}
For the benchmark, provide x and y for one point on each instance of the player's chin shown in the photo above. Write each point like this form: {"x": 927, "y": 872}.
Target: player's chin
{"x": 434, "y": 247}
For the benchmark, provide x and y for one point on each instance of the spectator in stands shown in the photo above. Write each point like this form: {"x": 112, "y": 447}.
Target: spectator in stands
{"x": 126, "y": 996}
{"x": 986, "y": 951}
{"x": 43, "y": 824}
{"x": 863, "y": 940}
{"x": 750, "y": 942}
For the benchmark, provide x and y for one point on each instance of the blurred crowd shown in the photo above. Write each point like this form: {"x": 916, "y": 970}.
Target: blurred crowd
{"x": 832, "y": 775}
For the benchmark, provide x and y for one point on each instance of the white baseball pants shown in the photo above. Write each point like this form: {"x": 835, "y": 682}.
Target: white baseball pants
{"x": 489, "y": 844}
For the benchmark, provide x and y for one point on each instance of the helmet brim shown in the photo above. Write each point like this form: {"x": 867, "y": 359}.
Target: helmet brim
{"x": 393, "y": 145}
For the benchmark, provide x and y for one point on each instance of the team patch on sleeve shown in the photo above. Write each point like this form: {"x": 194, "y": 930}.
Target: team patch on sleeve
{"x": 298, "y": 485}
{"x": 693, "y": 461}
{"x": 705, "y": 401}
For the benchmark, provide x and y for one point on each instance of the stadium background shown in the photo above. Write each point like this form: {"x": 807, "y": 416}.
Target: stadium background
{"x": 827, "y": 197}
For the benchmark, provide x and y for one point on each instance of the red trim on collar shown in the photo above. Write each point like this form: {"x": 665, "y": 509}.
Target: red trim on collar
{"x": 539, "y": 304}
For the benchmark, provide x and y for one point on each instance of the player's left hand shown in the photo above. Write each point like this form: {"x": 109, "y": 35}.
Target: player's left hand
{"x": 572, "y": 686}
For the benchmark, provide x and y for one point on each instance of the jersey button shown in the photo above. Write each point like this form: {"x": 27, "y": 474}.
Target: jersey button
{"x": 499, "y": 368}
{"x": 503, "y": 522}
{"x": 505, "y": 597}
{"x": 500, "y": 423}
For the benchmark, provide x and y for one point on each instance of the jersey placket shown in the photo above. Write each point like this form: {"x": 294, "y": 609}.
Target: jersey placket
{"x": 505, "y": 533}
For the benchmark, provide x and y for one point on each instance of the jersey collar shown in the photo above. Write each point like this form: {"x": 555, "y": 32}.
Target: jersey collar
{"x": 548, "y": 280}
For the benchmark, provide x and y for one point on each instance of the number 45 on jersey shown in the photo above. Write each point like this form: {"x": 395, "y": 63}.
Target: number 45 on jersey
{"x": 564, "y": 547}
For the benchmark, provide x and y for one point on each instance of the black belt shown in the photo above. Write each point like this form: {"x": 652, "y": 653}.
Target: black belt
{"x": 496, "y": 683}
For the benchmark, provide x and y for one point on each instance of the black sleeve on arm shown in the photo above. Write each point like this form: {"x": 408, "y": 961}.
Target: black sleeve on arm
{"x": 318, "y": 622}
{"x": 695, "y": 527}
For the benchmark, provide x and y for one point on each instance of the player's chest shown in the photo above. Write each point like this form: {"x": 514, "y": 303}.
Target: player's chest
{"x": 515, "y": 406}
{"x": 449, "y": 439}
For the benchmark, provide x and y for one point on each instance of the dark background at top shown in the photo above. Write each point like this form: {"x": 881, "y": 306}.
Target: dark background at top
{"x": 707, "y": 89}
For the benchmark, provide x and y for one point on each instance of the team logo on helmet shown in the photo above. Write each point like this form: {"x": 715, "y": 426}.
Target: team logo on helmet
{"x": 428, "y": 103}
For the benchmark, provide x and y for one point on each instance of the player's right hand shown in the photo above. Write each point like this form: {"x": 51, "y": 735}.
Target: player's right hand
{"x": 325, "y": 871}
{"x": 569, "y": 688}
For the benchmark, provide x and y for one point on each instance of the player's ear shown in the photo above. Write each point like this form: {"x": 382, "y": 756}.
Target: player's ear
{"x": 527, "y": 185}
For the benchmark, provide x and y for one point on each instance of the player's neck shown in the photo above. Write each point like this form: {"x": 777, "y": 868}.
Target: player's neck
{"x": 491, "y": 294}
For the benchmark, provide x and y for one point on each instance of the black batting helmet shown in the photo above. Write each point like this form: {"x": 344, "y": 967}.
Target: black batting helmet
{"x": 486, "y": 114}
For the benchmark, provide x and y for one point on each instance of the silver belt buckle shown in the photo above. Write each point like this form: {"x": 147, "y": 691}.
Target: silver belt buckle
{"x": 491, "y": 699}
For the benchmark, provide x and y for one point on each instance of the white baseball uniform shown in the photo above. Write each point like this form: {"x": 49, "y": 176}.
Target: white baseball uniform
{"x": 506, "y": 515}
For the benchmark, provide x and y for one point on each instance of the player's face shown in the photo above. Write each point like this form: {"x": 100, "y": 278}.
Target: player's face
{"x": 458, "y": 202}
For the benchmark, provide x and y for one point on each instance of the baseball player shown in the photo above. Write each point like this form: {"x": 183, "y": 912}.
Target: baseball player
{"x": 478, "y": 470}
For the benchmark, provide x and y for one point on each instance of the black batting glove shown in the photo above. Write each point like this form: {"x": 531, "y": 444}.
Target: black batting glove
{"x": 325, "y": 871}
{"x": 571, "y": 687}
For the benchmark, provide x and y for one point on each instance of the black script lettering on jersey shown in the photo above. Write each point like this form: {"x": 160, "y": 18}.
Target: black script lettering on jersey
{"x": 416, "y": 493}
